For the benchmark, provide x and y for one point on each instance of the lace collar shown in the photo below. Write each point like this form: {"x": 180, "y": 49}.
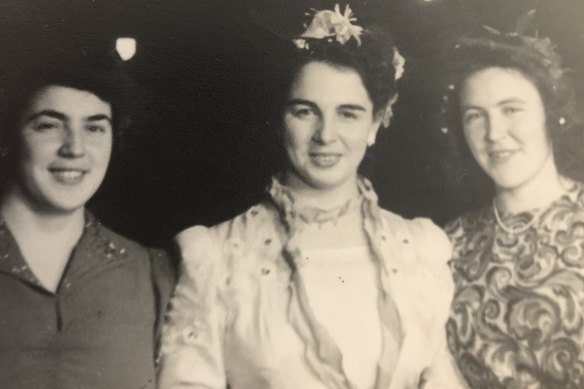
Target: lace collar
{"x": 284, "y": 199}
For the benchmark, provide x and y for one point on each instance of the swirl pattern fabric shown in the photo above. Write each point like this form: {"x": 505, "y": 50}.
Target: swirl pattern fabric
{"x": 517, "y": 319}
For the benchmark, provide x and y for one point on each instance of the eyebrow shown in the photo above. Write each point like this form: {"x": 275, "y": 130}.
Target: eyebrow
{"x": 467, "y": 107}
{"x": 511, "y": 100}
{"x": 49, "y": 113}
{"x": 354, "y": 107}
{"x": 63, "y": 117}
{"x": 95, "y": 118}
{"x": 301, "y": 101}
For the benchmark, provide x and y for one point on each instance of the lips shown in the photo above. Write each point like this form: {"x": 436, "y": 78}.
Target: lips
{"x": 325, "y": 159}
{"x": 68, "y": 176}
{"x": 501, "y": 155}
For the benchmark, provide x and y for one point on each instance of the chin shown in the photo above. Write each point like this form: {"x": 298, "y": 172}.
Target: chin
{"x": 325, "y": 183}
{"x": 509, "y": 183}
{"x": 64, "y": 204}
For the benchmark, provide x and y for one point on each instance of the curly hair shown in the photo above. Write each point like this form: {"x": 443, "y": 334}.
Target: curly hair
{"x": 535, "y": 59}
{"x": 373, "y": 60}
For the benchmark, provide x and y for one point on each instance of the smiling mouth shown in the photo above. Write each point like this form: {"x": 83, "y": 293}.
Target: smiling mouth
{"x": 68, "y": 176}
{"x": 501, "y": 155}
{"x": 325, "y": 159}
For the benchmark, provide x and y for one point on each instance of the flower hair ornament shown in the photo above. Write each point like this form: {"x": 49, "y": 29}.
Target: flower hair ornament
{"x": 330, "y": 25}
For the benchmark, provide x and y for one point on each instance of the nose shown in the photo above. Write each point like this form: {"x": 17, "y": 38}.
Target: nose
{"x": 497, "y": 128}
{"x": 324, "y": 132}
{"x": 73, "y": 145}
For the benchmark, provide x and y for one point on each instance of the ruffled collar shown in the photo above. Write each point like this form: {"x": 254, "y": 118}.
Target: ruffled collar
{"x": 284, "y": 199}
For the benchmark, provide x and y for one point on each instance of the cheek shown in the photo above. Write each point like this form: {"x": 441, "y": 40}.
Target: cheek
{"x": 35, "y": 152}
{"x": 100, "y": 149}
{"x": 473, "y": 139}
{"x": 295, "y": 136}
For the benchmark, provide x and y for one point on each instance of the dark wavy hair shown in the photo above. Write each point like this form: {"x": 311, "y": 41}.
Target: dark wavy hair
{"x": 99, "y": 72}
{"x": 537, "y": 60}
{"x": 372, "y": 60}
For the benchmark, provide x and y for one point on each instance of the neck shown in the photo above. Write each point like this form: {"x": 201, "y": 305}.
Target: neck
{"x": 325, "y": 198}
{"x": 536, "y": 193}
{"x": 24, "y": 219}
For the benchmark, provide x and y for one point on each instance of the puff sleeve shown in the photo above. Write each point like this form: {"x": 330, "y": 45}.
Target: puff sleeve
{"x": 191, "y": 354}
{"x": 435, "y": 250}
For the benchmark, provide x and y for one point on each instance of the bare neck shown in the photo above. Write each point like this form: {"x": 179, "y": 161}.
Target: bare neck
{"x": 538, "y": 192}
{"x": 28, "y": 224}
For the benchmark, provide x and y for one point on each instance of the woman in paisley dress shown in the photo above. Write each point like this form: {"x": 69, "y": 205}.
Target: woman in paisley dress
{"x": 517, "y": 319}
{"x": 317, "y": 287}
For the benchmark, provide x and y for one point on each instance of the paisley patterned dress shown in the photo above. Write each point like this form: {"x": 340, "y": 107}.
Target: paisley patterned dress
{"x": 517, "y": 319}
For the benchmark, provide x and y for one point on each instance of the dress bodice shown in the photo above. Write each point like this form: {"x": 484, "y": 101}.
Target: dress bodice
{"x": 517, "y": 318}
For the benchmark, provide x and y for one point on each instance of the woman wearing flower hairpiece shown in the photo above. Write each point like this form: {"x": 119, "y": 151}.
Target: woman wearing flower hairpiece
{"x": 317, "y": 287}
{"x": 518, "y": 314}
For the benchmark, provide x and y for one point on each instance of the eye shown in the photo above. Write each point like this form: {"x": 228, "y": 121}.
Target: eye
{"x": 97, "y": 128}
{"x": 348, "y": 114}
{"x": 46, "y": 125}
{"x": 511, "y": 110}
{"x": 302, "y": 112}
{"x": 471, "y": 117}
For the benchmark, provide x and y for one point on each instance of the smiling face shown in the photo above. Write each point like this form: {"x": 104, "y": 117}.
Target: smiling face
{"x": 504, "y": 125}
{"x": 328, "y": 123}
{"x": 65, "y": 139}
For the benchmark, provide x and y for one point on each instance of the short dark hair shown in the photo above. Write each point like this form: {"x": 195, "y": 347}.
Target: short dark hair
{"x": 99, "y": 72}
{"x": 537, "y": 60}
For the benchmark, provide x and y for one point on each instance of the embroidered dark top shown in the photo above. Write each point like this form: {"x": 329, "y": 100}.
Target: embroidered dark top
{"x": 98, "y": 330}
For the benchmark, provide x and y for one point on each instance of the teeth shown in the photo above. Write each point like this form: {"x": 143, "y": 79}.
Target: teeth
{"x": 500, "y": 154}
{"x": 69, "y": 177}
{"x": 325, "y": 158}
{"x": 69, "y": 174}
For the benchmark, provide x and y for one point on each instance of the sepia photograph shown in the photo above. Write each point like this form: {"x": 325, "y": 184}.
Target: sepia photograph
{"x": 292, "y": 194}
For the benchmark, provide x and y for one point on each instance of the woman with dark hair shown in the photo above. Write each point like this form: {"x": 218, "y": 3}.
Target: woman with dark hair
{"x": 79, "y": 303}
{"x": 317, "y": 287}
{"x": 517, "y": 319}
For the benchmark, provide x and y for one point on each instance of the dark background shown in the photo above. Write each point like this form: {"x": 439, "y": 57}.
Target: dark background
{"x": 202, "y": 146}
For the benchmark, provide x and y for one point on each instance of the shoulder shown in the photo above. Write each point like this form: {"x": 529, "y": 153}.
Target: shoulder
{"x": 254, "y": 227}
{"x": 427, "y": 238}
{"x": 461, "y": 228}
{"x": 118, "y": 243}
{"x": 245, "y": 225}
{"x": 158, "y": 259}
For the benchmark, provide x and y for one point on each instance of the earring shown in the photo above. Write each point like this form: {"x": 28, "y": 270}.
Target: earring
{"x": 562, "y": 121}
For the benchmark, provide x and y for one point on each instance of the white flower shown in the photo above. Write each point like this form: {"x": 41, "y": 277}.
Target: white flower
{"x": 398, "y": 63}
{"x": 328, "y": 24}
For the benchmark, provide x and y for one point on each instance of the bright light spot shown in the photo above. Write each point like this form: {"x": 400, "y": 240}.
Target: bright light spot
{"x": 126, "y": 48}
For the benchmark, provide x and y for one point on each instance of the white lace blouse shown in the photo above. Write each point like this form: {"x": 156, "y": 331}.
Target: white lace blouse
{"x": 242, "y": 314}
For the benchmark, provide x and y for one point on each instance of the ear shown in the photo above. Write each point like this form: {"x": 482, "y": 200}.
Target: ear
{"x": 374, "y": 129}
{"x": 387, "y": 113}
